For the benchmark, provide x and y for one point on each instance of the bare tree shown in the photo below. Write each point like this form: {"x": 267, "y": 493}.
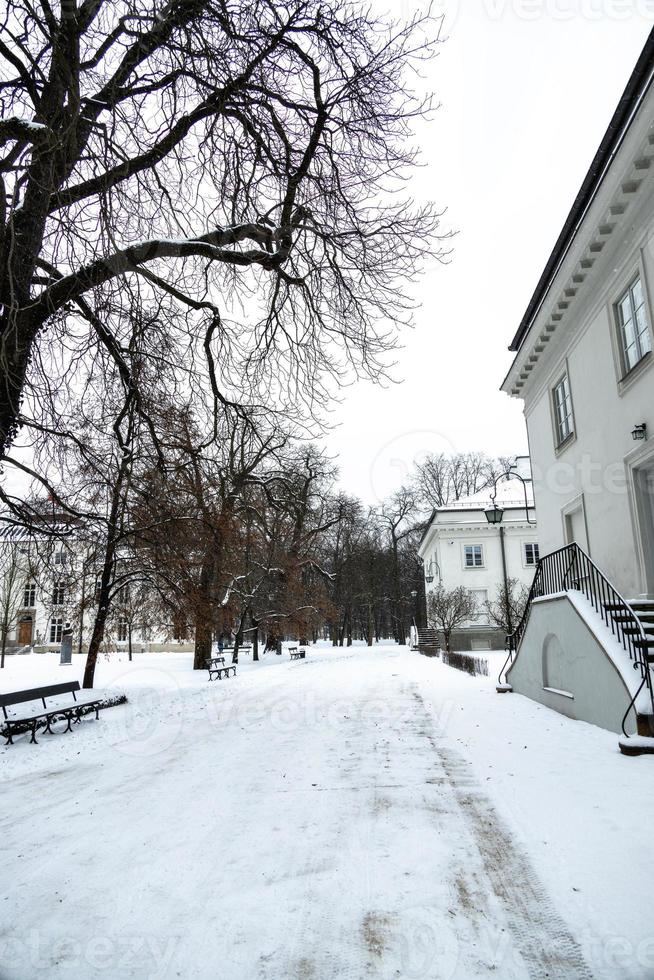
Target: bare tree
{"x": 198, "y": 154}
{"x": 508, "y": 607}
{"x": 12, "y": 576}
{"x": 449, "y": 608}
{"x": 398, "y": 515}
{"x": 441, "y": 479}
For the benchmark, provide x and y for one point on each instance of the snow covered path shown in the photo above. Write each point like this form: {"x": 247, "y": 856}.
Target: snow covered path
{"x": 318, "y": 819}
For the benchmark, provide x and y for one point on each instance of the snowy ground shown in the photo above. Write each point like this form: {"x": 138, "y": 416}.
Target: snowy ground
{"x": 358, "y": 814}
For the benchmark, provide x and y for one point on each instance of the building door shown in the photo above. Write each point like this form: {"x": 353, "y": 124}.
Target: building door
{"x": 644, "y": 487}
{"x": 25, "y": 631}
{"x": 575, "y": 528}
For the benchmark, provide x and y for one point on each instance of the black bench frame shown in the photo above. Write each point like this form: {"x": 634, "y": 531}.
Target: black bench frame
{"x": 71, "y": 712}
{"x": 219, "y": 671}
{"x": 297, "y": 653}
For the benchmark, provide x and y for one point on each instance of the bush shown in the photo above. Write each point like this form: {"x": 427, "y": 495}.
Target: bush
{"x": 476, "y": 666}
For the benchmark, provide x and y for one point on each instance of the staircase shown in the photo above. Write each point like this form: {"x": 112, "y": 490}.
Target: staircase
{"x": 570, "y": 569}
{"x": 428, "y": 641}
{"x": 642, "y": 634}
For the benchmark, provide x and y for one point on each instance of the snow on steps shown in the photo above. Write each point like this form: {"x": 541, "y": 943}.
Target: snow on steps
{"x": 637, "y": 745}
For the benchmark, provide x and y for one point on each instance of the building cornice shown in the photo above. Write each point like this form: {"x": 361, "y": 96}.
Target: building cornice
{"x": 589, "y": 226}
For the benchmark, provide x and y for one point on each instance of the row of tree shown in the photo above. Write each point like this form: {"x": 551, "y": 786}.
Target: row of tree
{"x": 246, "y": 535}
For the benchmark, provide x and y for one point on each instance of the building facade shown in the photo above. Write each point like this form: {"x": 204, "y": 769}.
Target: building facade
{"x": 584, "y": 370}
{"x": 583, "y": 359}
{"x": 460, "y": 548}
{"x": 46, "y": 585}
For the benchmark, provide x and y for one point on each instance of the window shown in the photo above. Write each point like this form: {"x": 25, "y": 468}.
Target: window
{"x": 56, "y": 627}
{"x": 122, "y": 630}
{"x": 481, "y": 598}
{"x": 531, "y": 554}
{"x": 58, "y": 593}
{"x": 473, "y": 556}
{"x": 29, "y": 594}
{"x": 563, "y": 421}
{"x": 631, "y": 314}
{"x": 59, "y": 556}
{"x": 122, "y": 595}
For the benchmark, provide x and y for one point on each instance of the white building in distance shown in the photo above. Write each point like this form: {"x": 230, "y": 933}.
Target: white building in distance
{"x": 460, "y": 548}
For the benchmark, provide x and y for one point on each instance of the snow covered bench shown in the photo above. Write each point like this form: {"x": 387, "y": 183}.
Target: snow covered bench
{"x": 217, "y": 670}
{"x": 296, "y": 653}
{"x": 43, "y": 705}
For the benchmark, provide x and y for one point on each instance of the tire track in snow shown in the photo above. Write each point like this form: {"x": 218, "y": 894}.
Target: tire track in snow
{"x": 539, "y": 933}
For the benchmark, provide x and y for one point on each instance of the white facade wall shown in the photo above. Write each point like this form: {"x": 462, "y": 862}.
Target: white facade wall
{"x": 592, "y": 488}
{"x": 43, "y": 573}
{"x": 443, "y": 550}
{"x": 445, "y": 544}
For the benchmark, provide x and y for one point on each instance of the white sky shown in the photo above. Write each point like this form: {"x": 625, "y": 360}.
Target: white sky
{"x": 527, "y": 90}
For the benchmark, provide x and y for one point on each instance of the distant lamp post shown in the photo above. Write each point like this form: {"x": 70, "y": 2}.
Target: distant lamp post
{"x": 639, "y": 432}
{"x": 494, "y": 515}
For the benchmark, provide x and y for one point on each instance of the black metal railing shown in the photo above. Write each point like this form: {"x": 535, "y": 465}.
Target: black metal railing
{"x": 571, "y": 569}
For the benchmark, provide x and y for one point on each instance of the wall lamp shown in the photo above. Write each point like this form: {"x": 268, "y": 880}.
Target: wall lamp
{"x": 639, "y": 432}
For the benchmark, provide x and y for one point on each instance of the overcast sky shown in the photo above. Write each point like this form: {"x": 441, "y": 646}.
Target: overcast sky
{"x": 527, "y": 89}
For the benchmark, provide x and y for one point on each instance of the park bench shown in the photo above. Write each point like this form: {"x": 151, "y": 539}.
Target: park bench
{"x": 219, "y": 671}
{"x": 42, "y": 706}
{"x": 297, "y": 653}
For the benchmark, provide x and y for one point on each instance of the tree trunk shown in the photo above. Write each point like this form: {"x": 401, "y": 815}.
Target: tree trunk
{"x": 238, "y": 639}
{"x": 113, "y": 535}
{"x": 129, "y": 642}
{"x": 203, "y": 619}
{"x": 97, "y": 635}
{"x": 202, "y": 647}
{"x": 4, "y": 644}
{"x": 18, "y": 335}
{"x": 255, "y": 643}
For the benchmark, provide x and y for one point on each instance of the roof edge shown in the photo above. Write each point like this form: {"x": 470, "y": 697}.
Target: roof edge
{"x": 630, "y": 101}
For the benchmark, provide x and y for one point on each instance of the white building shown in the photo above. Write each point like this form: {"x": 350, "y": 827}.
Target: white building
{"x": 45, "y": 584}
{"x": 460, "y": 548}
{"x": 584, "y": 369}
